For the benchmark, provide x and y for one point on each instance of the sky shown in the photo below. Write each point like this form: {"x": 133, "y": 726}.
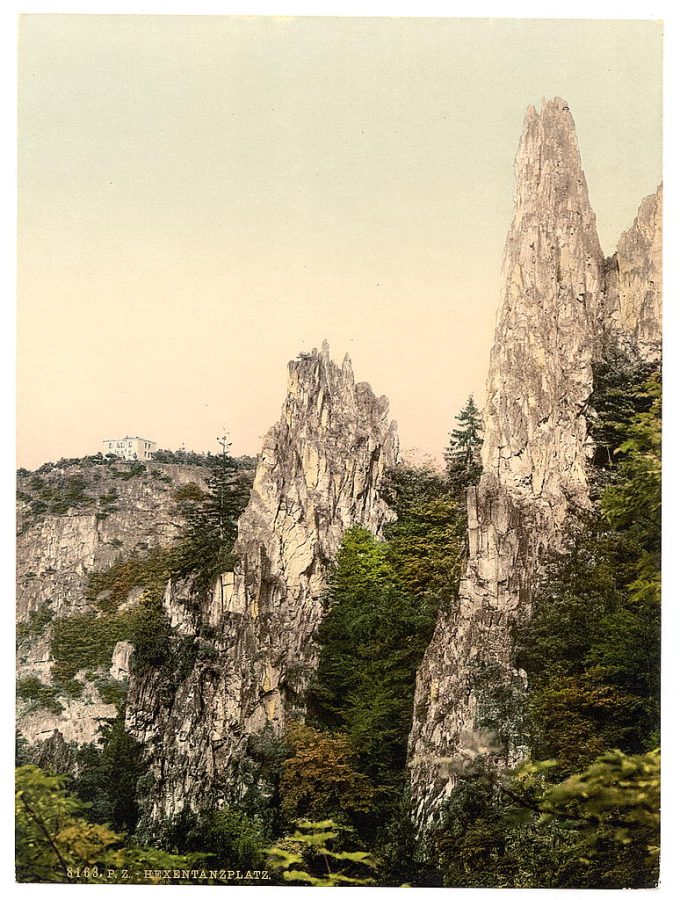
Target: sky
{"x": 202, "y": 198}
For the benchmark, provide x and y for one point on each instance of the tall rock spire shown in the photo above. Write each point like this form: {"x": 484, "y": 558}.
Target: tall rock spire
{"x": 539, "y": 374}
{"x": 319, "y": 473}
{"x": 534, "y": 455}
{"x": 632, "y": 315}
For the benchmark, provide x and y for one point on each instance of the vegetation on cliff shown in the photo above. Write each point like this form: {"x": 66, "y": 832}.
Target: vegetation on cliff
{"x": 202, "y": 549}
{"x": 582, "y": 811}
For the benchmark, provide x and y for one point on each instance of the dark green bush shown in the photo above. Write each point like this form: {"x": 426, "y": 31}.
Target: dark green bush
{"x": 86, "y": 641}
{"x": 38, "y": 622}
{"x": 39, "y": 695}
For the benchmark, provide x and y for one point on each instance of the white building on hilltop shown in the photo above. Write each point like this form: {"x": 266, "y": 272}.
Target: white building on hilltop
{"x": 130, "y": 447}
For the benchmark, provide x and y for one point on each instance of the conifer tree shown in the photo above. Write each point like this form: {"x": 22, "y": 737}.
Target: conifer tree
{"x": 462, "y": 456}
{"x": 212, "y": 516}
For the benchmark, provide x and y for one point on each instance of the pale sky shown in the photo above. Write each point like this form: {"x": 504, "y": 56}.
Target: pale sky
{"x": 201, "y": 198}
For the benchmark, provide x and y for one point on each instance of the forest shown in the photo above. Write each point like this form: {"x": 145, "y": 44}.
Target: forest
{"x": 580, "y": 810}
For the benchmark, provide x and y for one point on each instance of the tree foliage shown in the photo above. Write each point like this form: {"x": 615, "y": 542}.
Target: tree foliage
{"x": 225, "y": 837}
{"x": 372, "y": 640}
{"x": 382, "y": 604}
{"x": 425, "y": 545}
{"x": 462, "y": 456}
{"x": 211, "y": 517}
{"x": 107, "y": 775}
{"x": 55, "y": 843}
{"x": 598, "y": 828}
{"x": 319, "y": 778}
{"x": 309, "y": 856}
{"x": 632, "y": 502}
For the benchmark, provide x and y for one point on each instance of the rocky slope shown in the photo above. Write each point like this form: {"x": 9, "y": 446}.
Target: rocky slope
{"x": 561, "y": 304}
{"x": 319, "y": 473}
{"x": 77, "y": 518}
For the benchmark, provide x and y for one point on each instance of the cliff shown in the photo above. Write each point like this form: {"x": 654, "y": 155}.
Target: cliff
{"x": 319, "y": 473}
{"x": 633, "y": 283}
{"x": 78, "y": 518}
{"x": 240, "y": 654}
{"x": 562, "y": 303}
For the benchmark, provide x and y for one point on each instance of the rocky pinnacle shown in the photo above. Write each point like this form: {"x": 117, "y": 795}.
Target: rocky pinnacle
{"x": 319, "y": 474}
{"x": 551, "y": 323}
{"x": 633, "y": 283}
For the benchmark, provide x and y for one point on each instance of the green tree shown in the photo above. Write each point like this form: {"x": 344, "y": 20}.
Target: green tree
{"x": 372, "y": 640}
{"x": 311, "y": 856}
{"x": 591, "y": 652}
{"x": 55, "y": 843}
{"x": 226, "y": 837}
{"x": 426, "y": 543}
{"x": 107, "y": 776}
{"x": 619, "y": 393}
{"x": 462, "y": 456}
{"x": 211, "y": 518}
{"x": 632, "y": 502}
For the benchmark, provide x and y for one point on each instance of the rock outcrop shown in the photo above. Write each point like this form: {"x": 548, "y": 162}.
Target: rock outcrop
{"x": 76, "y": 519}
{"x": 561, "y": 303}
{"x": 319, "y": 473}
{"x": 107, "y": 515}
{"x": 633, "y": 283}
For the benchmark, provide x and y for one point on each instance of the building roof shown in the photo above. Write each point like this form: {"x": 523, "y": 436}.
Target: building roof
{"x": 128, "y": 437}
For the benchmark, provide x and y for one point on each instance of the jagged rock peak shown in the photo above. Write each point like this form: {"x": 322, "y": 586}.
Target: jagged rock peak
{"x": 534, "y": 455}
{"x": 320, "y": 473}
{"x": 539, "y": 373}
{"x": 333, "y": 435}
{"x": 320, "y": 393}
{"x": 548, "y": 169}
{"x": 634, "y": 283}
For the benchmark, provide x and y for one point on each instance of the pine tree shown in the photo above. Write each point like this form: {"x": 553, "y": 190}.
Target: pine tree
{"x": 212, "y": 516}
{"x": 462, "y": 456}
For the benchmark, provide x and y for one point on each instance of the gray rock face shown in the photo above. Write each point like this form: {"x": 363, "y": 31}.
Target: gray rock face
{"x": 77, "y": 723}
{"x": 560, "y": 303}
{"x": 319, "y": 473}
{"x": 120, "y": 661}
{"x": 633, "y": 283}
{"x": 539, "y": 375}
{"x": 56, "y": 553}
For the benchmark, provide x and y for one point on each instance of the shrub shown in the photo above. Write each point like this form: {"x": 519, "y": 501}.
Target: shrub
{"x": 86, "y": 641}
{"x": 39, "y": 695}
{"x": 110, "y": 690}
{"x": 150, "y": 572}
{"x": 151, "y": 634}
{"x": 38, "y": 622}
